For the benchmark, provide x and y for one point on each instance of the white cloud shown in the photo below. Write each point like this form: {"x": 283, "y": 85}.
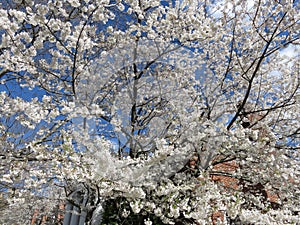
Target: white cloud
{"x": 291, "y": 51}
{"x": 224, "y": 6}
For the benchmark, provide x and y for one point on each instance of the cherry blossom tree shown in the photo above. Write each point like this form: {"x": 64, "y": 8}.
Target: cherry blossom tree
{"x": 138, "y": 105}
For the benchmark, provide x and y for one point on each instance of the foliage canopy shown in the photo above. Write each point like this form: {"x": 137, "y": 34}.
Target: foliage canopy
{"x": 140, "y": 103}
